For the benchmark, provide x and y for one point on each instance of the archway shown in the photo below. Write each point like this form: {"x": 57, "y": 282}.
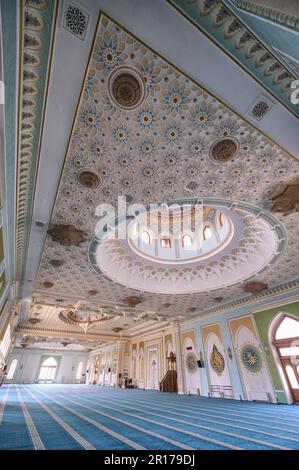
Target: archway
{"x": 285, "y": 339}
{"x": 192, "y": 376}
{"x": 79, "y": 372}
{"x": 12, "y": 370}
{"x": 154, "y": 374}
{"x": 48, "y": 370}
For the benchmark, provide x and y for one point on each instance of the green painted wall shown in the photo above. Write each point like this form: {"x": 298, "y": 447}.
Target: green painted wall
{"x": 263, "y": 320}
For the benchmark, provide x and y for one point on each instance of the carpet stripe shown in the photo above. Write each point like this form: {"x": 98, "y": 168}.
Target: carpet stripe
{"x": 146, "y": 405}
{"x": 224, "y": 444}
{"x": 36, "y": 439}
{"x": 3, "y": 404}
{"x": 83, "y": 442}
{"x": 98, "y": 425}
{"x": 247, "y": 438}
{"x": 231, "y": 413}
{"x": 207, "y": 413}
{"x": 143, "y": 430}
{"x": 234, "y": 412}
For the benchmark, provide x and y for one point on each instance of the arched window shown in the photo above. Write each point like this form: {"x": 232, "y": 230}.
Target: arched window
{"x": 12, "y": 369}
{"x": 79, "y": 371}
{"x": 186, "y": 240}
{"x": 48, "y": 369}
{"x": 288, "y": 328}
{"x": 221, "y": 219}
{"x": 207, "y": 233}
{"x": 165, "y": 242}
{"x": 146, "y": 238}
{"x": 6, "y": 342}
{"x": 286, "y": 341}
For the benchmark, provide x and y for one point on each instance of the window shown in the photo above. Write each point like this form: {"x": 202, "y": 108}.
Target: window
{"x": 48, "y": 369}
{"x": 292, "y": 377}
{"x": 207, "y": 233}
{"x": 146, "y": 238}
{"x": 221, "y": 219}
{"x": 6, "y": 341}
{"x": 12, "y": 369}
{"x": 165, "y": 242}
{"x": 79, "y": 371}
{"x": 186, "y": 240}
{"x": 289, "y": 328}
{"x": 290, "y": 351}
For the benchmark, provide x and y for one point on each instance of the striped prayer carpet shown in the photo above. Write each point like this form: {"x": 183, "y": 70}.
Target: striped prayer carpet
{"x": 89, "y": 417}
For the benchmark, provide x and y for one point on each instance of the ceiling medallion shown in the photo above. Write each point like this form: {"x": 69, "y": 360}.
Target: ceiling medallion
{"x": 67, "y": 235}
{"x": 85, "y": 319}
{"x": 132, "y": 300}
{"x": 56, "y": 263}
{"x": 89, "y": 179}
{"x": 48, "y": 284}
{"x": 224, "y": 150}
{"x": 255, "y": 287}
{"x": 242, "y": 242}
{"x": 126, "y": 87}
{"x": 286, "y": 198}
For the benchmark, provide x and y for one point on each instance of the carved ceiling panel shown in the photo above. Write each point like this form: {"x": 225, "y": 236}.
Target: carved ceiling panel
{"x": 156, "y": 145}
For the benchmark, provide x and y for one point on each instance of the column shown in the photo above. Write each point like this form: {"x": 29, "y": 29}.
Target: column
{"x": 179, "y": 360}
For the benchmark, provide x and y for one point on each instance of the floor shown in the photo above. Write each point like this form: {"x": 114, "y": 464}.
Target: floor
{"x": 91, "y": 417}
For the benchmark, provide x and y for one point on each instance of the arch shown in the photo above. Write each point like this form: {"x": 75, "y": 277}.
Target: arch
{"x": 187, "y": 240}
{"x": 48, "y": 370}
{"x": 165, "y": 242}
{"x": 254, "y": 373}
{"x": 79, "y": 371}
{"x": 146, "y": 237}
{"x": 141, "y": 364}
{"x": 221, "y": 219}
{"x": 283, "y": 335}
{"x": 6, "y": 342}
{"x": 207, "y": 232}
{"x": 12, "y": 369}
{"x": 190, "y": 366}
{"x": 218, "y": 373}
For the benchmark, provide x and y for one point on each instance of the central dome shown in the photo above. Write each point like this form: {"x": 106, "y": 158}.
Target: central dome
{"x": 187, "y": 246}
{"x": 177, "y": 235}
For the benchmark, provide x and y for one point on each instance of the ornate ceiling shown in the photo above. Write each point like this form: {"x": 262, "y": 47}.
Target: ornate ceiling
{"x": 157, "y": 151}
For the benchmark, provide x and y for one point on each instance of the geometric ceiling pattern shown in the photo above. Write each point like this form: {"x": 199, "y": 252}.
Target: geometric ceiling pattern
{"x": 158, "y": 151}
{"x": 224, "y": 26}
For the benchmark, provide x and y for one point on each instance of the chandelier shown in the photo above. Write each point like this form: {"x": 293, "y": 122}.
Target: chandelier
{"x": 85, "y": 319}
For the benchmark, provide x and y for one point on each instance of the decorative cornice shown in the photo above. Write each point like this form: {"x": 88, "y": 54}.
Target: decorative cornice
{"x": 39, "y": 331}
{"x": 219, "y": 22}
{"x": 37, "y": 29}
{"x": 252, "y": 299}
{"x": 280, "y": 17}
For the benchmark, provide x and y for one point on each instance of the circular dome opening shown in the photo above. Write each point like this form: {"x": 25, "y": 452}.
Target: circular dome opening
{"x": 89, "y": 179}
{"x": 224, "y": 150}
{"x": 126, "y": 87}
{"x": 179, "y": 235}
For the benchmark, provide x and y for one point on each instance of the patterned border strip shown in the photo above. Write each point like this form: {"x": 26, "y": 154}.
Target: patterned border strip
{"x": 247, "y": 300}
{"x": 36, "y": 439}
{"x": 217, "y": 21}
{"x": 274, "y": 15}
{"x": 37, "y": 29}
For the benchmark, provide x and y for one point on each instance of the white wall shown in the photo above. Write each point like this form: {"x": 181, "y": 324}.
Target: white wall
{"x": 29, "y": 361}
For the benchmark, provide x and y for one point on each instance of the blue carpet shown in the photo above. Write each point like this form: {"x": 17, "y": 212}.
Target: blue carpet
{"x": 89, "y": 417}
